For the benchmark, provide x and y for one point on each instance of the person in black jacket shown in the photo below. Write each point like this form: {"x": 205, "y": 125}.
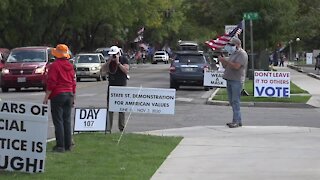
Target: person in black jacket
{"x": 317, "y": 65}
{"x": 117, "y": 67}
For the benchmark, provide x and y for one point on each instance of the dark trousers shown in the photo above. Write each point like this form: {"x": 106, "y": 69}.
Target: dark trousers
{"x": 61, "y": 106}
{"x": 121, "y": 120}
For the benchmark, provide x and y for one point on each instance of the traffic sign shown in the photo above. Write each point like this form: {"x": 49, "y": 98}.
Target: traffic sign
{"x": 250, "y": 16}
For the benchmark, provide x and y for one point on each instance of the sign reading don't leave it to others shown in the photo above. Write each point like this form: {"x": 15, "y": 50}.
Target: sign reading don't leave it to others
{"x": 271, "y": 84}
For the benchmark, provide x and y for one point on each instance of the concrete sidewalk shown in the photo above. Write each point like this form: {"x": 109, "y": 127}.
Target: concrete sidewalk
{"x": 249, "y": 152}
{"x": 308, "y": 83}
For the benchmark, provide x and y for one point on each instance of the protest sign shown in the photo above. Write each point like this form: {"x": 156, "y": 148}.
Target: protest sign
{"x": 214, "y": 78}
{"x": 23, "y": 135}
{"x": 90, "y": 119}
{"x": 142, "y": 100}
{"x": 271, "y": 84}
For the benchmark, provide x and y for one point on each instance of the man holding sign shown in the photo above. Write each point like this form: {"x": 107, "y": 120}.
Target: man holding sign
{"x": 234, "y": 74}
{"x": 117, "y": 67}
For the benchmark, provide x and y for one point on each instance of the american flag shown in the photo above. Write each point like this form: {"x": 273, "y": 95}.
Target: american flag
{"x": 221, "y": 41}
{"x": 140, "y": 35}
{"x": 140, "y": 31}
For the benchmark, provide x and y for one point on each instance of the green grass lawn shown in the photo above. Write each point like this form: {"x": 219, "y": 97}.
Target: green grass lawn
{"x": 298, "y": 95}
{"x": 97, "y": 156}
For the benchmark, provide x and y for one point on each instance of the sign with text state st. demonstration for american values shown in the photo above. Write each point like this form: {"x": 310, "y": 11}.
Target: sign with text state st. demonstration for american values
{"x": 142, "y": 100}
{"x": 23, "y": 135}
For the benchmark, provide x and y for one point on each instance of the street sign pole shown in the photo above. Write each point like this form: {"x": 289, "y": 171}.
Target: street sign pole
{"x": 244, "y": 34}
{"x": 251, "y": 42}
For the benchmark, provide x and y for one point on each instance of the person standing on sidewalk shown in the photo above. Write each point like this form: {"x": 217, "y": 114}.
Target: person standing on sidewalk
{"x": 117, "y": 67}
{"x": 282, "y": 59}
{"x": 61, "y": 89}
{"x": 235, "y": 71}
{"x": 317, "y": 65}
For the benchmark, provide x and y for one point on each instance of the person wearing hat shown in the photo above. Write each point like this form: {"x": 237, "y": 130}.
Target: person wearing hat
{"x": 235, "y": 71}
{"x": 117, "y": 67}
{"x": 61, "y": 89}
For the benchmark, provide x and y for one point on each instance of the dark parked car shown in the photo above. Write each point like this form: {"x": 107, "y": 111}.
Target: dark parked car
{"x": 188, "y": 68}
{"x": 104, "y": 51}
{"x": 25, "y": 67}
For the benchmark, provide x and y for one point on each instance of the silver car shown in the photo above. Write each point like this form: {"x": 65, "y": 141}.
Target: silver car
{"x": 89, "y": 65}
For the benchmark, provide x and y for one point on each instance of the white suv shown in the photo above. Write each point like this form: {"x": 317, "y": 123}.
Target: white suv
{"x": 160, "y": 56}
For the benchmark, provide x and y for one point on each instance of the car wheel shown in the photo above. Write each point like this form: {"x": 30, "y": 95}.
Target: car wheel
{"x": 99, "y": 78}
{"x": 206, "y": 88}
{"x": 18, "y": 89}
{"x": 4, "y": 89}
{"x": 78, "y": 79}
{"x": 174, "y": 85}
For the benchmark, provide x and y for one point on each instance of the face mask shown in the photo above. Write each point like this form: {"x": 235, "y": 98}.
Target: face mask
{"x": 230, "y": 49}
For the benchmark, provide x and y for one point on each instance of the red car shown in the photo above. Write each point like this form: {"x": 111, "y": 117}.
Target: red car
{"x": 25, "y": 67}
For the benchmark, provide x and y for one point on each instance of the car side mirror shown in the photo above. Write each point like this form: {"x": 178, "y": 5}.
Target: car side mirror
{"x": 51, "y": 59}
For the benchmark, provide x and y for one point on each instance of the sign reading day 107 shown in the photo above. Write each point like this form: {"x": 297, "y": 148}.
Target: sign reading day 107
{"x": 90, "y": 119}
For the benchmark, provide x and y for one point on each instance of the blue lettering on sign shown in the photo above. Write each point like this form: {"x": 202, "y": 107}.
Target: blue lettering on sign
{"x": 273, "y": 91}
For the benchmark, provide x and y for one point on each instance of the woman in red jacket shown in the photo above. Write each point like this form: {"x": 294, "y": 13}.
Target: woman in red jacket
{"x": 61, "y": 89}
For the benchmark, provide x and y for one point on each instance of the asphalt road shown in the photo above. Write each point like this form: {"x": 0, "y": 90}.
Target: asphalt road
{"x": 190, "y": 109}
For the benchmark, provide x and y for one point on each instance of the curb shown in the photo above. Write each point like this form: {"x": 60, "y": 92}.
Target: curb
{"x": 299, "y": 69}
{"x": 314, "y": 75}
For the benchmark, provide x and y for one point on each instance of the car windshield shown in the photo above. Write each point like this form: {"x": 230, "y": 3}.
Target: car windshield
{"x": 159, "y": 53}
{"x": 193, "y": 59}
{"x": 87, "y": 59}
{"x": 17, "y": 56}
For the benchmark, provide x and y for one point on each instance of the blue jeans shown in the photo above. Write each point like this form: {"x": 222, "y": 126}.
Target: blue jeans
{"x": 61, "y": 106}
{"x": 234, "y": 89}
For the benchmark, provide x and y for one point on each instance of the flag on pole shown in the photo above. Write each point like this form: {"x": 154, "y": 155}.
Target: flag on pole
{"x": 138, "y": 39}
{"x": 221, "y": 41}
{"x": 140, "y": 35}
{"x": 140, "y": 31}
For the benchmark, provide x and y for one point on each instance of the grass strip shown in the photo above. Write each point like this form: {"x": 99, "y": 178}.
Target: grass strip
{"x": 97, "y": 156}
{"x": 298, "y": 95}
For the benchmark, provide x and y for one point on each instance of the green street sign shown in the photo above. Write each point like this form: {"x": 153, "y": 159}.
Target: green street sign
{"x": 250, "y": 16}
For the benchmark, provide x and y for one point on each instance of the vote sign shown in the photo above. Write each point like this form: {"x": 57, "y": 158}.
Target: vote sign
{"x": 271, "y": 84}
{"x": 90, "y": 119}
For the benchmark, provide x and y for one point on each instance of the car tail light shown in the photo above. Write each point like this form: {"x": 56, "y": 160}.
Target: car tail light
{"x": 172, "y": 69}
